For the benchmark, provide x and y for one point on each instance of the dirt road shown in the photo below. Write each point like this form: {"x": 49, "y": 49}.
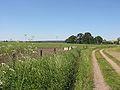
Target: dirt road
{"x": 115, "y": 54}
{"x": 99, "y": 82}
{"x": 114, "y": 65}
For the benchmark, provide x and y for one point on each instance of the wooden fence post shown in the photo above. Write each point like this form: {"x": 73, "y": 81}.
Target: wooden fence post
{"x": 71, "y": 47}
{"x": 55, "y": 50}
{"x": 41, "y": 53}
{"x": 68, "y": 48}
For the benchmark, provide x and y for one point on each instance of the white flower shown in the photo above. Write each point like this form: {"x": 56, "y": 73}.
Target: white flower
{"x": 4, "y": 72}
{"x": 1, "y": 82}
{"x": 24, "y": 57}
{"x": 5, "y": 65}
{"x": 11, "y": 69}
{"x": 33, "y": 51}
{"x": 20, "y": 60}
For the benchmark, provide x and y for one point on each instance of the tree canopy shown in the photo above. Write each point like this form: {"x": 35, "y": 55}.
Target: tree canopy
{"x": 85, "y": 38}
{"x": 98, "y": 39}
{"x": 71, "y": 39}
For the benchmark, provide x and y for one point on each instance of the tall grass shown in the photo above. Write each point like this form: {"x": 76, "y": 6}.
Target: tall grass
{"x": 57, "y": 72}
{"x": 84, "y": 79}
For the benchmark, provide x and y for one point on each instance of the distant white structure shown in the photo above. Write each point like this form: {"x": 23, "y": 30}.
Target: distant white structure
{"x": 74, "y": 46}
{"x": 65, "y": 48}
{"x": 69, "y": 48}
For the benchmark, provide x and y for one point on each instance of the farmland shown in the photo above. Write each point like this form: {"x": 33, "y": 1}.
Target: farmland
{"x": 24, "y": 68}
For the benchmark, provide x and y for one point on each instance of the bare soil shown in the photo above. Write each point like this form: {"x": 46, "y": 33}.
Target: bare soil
{"x": 99, "y": 82}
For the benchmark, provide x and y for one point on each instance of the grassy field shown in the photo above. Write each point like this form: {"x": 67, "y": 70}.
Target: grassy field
{"x": 62, "y": 71}
{"x": 26, "y": 50}
{"x": 69, "y": 70}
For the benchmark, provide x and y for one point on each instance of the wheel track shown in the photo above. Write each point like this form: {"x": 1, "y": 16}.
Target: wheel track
{"x": 99, "y": 82}
{"x": 113, "y": 64}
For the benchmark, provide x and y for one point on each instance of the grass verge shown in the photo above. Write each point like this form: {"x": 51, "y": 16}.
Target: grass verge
{"x": 84, "y": 79}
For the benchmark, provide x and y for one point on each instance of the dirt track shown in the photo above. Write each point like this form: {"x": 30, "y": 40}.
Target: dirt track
{"x": 114, "y": 54}
{"x": 98, "y": 77}
{"x": 114, "y": 65}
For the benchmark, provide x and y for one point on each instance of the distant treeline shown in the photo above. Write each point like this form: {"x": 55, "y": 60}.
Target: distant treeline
{"x": 85, "y": 38}
{"x": 88, "y": 38}
{"x": 36, "y": 41}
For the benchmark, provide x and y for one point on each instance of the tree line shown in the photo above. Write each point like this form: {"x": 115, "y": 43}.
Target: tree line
{"x": 85, "y": 38}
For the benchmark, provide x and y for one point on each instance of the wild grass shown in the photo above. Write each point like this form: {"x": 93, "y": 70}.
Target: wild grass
{"x": 111, "y": 77}
{"x": 84, "y": 80}
{"x": 11, "y": 46}
{"x": 28, "y": 50}
{"x": 57, "y": 72}
{"x": 71, "y": 70}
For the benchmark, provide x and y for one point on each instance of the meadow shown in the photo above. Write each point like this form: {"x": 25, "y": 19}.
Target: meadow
{"x": 64, "y": 70}
{"x": 52, "y": 72}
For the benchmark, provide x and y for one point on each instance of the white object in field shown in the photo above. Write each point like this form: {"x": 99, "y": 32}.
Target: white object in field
{"x": 70, "y": 48}
{"x": 66, "y": 48}
{"x": 74, "y": 46}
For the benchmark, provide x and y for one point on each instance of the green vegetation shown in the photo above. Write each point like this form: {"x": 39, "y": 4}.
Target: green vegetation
{"x": 111, "y": 77}
{"x": 118, "y": 40}
{"x": 86, "y": 38}
{"x": 69, "y": 70}
{"x": 57, "y": 72}
{"x": 63, "y": 71}
{"x": 84, "y": 79}
{"x": 26, "y": 50}
{"x": 71, "y": 39}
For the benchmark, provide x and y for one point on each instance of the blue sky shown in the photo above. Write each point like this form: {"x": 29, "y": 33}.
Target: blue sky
{"x": 58, "y": 19}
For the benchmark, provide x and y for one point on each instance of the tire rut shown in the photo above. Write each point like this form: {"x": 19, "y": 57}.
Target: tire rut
{"x": 99, "y": 82}
{"x": 113, "y": 64}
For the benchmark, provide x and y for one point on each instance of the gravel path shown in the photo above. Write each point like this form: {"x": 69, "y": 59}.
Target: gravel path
{"x": 98, "y": 77}
{"x": 114, "y": 65}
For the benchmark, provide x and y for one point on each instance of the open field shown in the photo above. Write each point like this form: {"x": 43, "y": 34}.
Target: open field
{"x": 63, "y": 70}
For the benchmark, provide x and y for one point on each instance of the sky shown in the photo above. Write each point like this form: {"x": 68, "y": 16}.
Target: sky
{"x": 58, "y": 19}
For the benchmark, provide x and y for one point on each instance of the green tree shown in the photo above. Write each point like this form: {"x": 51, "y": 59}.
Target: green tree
{"x": 79, "y": 38}
{"x": 98, "y": 40}
{"x": 88, "y": 38}
{"x": 71, "y": 39}
{"x": 118, "y": 39}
